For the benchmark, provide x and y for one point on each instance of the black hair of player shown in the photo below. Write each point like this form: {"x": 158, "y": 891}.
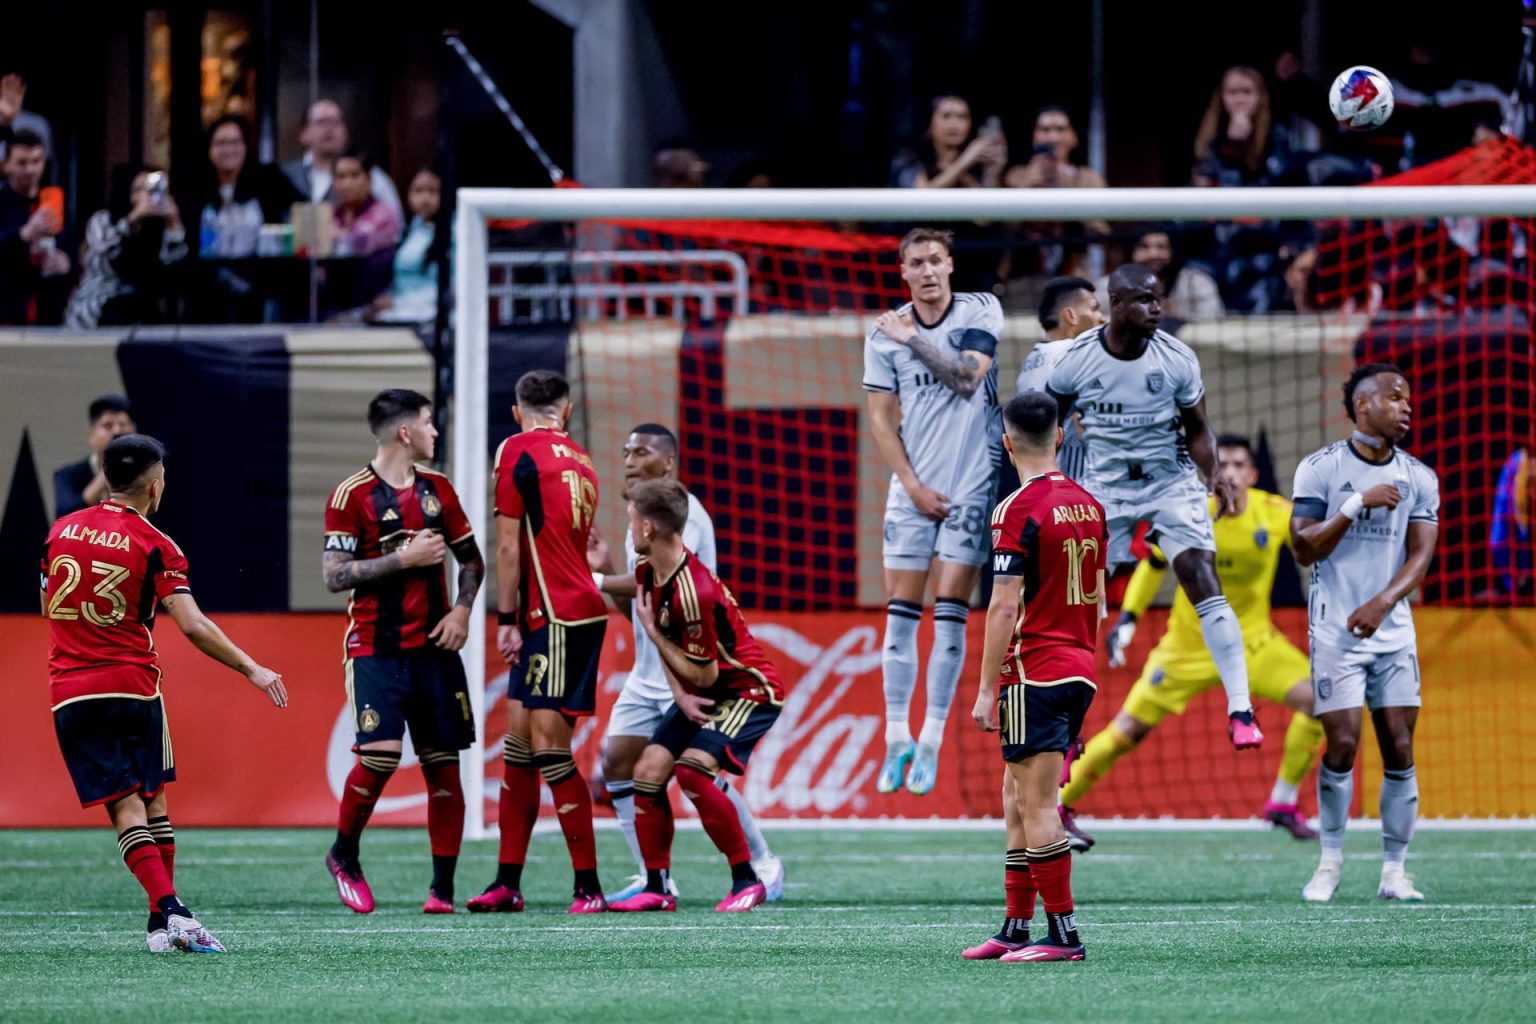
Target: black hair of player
{"x": 1358, "y": 376}
{"x": 388, "y": 408}
{"x": 109, "y": 403}
{"x": 668, "y": 438}
{"x": 919, "y": 235}
{"x": 663, "y": 502}
{"x": 541, "y": 389}
{"x": 1031, "y": 416}
{"x": 128, "y": 458}
{"x": 1057, "y": 291}
{"x": 1235, "y": 441}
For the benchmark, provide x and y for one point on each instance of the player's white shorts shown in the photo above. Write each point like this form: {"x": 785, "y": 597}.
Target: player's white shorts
{"x": 635, "y": 714}
{"x": 1178, "y": 511}
{"x": 1343, "y": 679}
{"x": 912, "y": 540}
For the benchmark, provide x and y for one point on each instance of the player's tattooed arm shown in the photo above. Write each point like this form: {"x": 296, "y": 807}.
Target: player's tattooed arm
{"x": 471, "y": 572}
{"x": 343, "y": 572}
{"x": 962, "y": 373}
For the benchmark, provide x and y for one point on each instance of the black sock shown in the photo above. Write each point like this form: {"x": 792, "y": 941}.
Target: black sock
{"x": 1014, "y": 929}
{"x": 156, "y": 922}
{"x": 171, "y": 905}
{"x": 1063, "y": 928}
{"x": 442, "y": 876}
{"x": 656, "y": 880}
{"x": 344, "y": 848}
{"x": 509, "y": 875}
{"x": 587, "y": 883}
{"x": 742, "y": 876}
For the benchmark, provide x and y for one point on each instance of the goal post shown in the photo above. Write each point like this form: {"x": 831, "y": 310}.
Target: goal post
{"x": 477, "y": 208}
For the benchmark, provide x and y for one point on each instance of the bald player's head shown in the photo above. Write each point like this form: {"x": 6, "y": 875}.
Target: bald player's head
{"x": 1135, "y": 300}
{"x": 1131, "y": 277}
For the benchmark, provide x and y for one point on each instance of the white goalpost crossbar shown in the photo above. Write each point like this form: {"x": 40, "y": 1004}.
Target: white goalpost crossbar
{"x": 477, "y": 206}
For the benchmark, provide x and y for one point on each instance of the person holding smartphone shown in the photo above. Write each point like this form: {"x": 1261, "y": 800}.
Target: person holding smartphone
{"x": 131, "y": 248}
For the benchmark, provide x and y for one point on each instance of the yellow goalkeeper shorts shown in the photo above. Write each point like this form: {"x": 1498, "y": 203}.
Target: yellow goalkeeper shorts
{"x": 1175, "y": 674}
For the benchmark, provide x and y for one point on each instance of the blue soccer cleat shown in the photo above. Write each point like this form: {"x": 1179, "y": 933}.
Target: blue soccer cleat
{"x": 894, "y": 770}
{"x": 187, "y": 935}
{"x": 924, "y": 771}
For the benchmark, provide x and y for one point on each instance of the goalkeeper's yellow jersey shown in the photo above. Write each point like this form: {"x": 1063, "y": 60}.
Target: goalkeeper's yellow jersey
{"x": 1247, "y": 554}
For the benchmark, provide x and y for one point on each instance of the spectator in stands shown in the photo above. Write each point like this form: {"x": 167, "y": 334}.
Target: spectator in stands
{"x": 1050, "y": 163}
{"x": 236, "y": 195}
{"x": 129, "y": 248}
{"x": 412, "y": 294}
{"x": 366, "y": 229}
{"x": 952, "y": 153}
{"x": 1190, "y": 293}
{"x": 14, "y": 118}
{"x": 82, "y": 484}
{"x": 325, "y": 138}
{"x": 754, "y": 174}
{"x": 1238, "y": 143}
{"x": 675, "y": 165}
{"x": 31, "y": 260}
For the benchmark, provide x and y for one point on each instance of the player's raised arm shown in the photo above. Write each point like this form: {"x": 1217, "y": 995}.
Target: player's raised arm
{"x": 1314, "y": 533}
{"x": 207, "y": 637}
{"x": 1002, "y": 618}
{"x": 962, "y": 373}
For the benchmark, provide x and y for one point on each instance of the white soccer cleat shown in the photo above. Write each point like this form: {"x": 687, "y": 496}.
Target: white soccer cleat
{"x": 770, "y": 871}
{"x": 1397, "y": 885}
{"x": 160, "y": 941}
{"x": 1323, "y": 884}
{"x": 187, "y": 935}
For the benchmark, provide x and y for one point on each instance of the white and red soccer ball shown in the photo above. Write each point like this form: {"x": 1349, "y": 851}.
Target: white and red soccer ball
{"x": 1361, "y": 98}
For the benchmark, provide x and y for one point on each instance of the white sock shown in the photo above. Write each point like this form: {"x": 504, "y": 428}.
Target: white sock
{"x": 1283, "y": 793}
{"x": 623, "y": 795}
{"x": 1224, "y": 639}
{"x": 756, "y": 844}
{"x": 1399, "y": 813}
{"x": 944, "y": 664}
{"x": 1334, "y": 792}
{"x": 898, "y": 660}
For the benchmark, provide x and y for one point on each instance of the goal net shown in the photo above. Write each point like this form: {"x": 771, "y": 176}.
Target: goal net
{"x": 738, "y": 318}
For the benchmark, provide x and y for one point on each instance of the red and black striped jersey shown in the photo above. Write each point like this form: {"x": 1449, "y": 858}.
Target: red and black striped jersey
{"x": 698, "y": 613}
{"x": 1051, "y": 532}
{"x": 104, "y": 570}
{"x": 367, "y": 518}
{"x": 546, "y": 481}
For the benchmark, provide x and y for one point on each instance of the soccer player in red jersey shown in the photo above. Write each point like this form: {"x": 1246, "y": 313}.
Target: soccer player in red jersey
{"x": 1048, "y": 544}
{"x": 726, "y": 696}
{"x": 551, "y": 622}
{"x": 104, "y": 570}
{"x": 388, "y": 529}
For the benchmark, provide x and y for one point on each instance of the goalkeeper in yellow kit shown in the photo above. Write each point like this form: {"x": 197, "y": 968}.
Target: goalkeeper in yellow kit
{"x": 1180, "y": 668}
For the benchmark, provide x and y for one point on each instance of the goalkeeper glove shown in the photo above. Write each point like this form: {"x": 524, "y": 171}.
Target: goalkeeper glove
{"x": 1120, "y": 638}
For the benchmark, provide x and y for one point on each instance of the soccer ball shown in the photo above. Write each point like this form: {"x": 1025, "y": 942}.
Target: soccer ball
{"x": 1361, "y": 98}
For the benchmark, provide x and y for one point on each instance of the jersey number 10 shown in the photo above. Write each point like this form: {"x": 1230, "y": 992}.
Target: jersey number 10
{"x": 1079, "y": 561}
{"x": 583, "y": 498}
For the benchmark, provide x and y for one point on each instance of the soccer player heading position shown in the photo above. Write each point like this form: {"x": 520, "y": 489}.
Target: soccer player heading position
{"x": 726, "y": 695}
{"x": 1366, "y": 518}
{"x": 104, "y": 570}
{"x": 1135, "y": 387}
{"x": 928, "y": 368}
{"x": 551, "y": 624}
{"x": 1068, "y": 307}
{"x": 1048, "y": 542}
{"x": 388, "y": 529}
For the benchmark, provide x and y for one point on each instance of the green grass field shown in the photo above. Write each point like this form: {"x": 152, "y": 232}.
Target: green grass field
{"x": 1199, "y": 926}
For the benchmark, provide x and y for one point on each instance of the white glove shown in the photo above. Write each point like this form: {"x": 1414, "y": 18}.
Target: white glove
{"x": 1120, "y": 638}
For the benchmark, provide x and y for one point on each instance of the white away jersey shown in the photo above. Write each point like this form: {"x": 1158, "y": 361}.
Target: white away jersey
{"x": 646, "y": 678}
{"x": 1130, "y": 409}
{"x": 1072, "y": 457}
{"x": 1373, "y": 550}
{"x": 953, "y": 443}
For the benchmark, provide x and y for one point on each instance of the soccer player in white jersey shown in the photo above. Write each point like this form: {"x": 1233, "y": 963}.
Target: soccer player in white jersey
{"x": 650, "y": 453}
{"x": 1068, "y": 307}
{"x": 933, "y": 410}
{"x": 1366, "y": 518}
{"x": 1141, "y": 402}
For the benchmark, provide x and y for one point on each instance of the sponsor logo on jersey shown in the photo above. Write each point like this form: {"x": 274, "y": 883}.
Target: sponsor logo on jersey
{"x": 1095, "y": 385}
{"x": 390, "y": 514}
{"x": 1155, "y": 381}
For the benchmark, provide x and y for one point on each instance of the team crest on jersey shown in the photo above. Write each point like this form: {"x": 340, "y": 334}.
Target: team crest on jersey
{"x": 368, "y": 720}
{"x": 665, "y": 618}
{"x": 1155, "y": 381}
{"x": 695, "y": 631}
{"x": 431, "y": 506}
{"x": 1324, "y": 688}
{"x": 1261, "y": 538}
{"x": 997, "y": 535}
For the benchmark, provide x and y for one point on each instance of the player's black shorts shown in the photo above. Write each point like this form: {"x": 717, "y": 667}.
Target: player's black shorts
{"x": 114, "y": 746}
{"x": 729, "y": 736}
{"x": 1041, "y": 719}
{"x": 424, "y": 691}
{"x": 558, "y": 669}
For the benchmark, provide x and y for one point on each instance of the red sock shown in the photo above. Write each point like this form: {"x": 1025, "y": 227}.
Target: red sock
{"x": 165, "y": 840}
{"x": 1053, "y": 875}
{"x": 573, "y": 805}
{"x": 445, "y": 807}
{"x": 143, "y": 859}
{"x": 518, "y": 810}
{"x": 1019, "y": 887}
{"x": 654, "y": 825}
{"x": 716, "y": 812}
{"x": 365, "y": 784}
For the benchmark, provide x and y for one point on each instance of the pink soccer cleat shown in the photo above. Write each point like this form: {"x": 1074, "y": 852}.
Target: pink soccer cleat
{"x": 1074, "y": 751}
{"x": 993, "y": 949}
{"x": 436, "y": 904}
{"x": 498, "y": 899}
{"x": 1243, "y": 728}
{"x": 351, "y": 886}
{"x": 1077, "y": 838}
{"x": 1043, "y": 950}
{"x": 588, "y": 903}
{"x": 643, "y": 901}
{"x": 739, "y": 902}
{"x": 1288, "y": 817}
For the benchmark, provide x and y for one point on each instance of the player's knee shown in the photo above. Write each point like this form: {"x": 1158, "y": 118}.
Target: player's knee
{"x": 655, "y": 765}
{"x": 380, "y": 762}
{"x": 618, "y": 765}
{"x": 1397, "y": 751}
{"x": 554, "y": 765}
{"x": 1340, "y": 755}
{"x": 516, "y": 751}
{"x": 1196, "y": 571}
{"x": 439, "y": 763}
{"x": 1299, "y": 697}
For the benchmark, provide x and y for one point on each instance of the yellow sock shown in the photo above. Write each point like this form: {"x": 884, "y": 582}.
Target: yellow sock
{"x": 1303, "y": 740}
{"x": 1099, "y": 756}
